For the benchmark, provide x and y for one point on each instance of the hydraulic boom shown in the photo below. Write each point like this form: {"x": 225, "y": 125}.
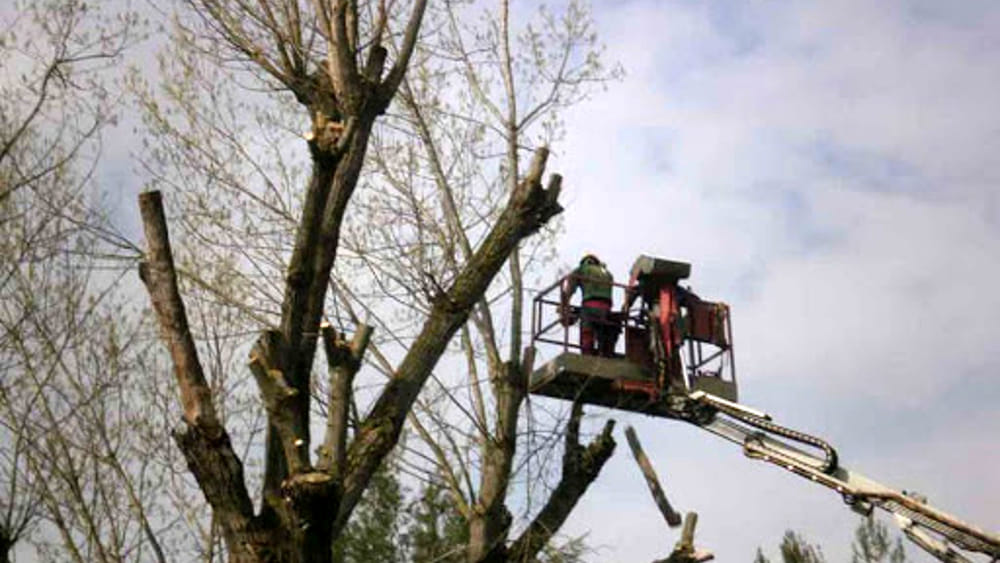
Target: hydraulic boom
{"x": 933, "y": 530}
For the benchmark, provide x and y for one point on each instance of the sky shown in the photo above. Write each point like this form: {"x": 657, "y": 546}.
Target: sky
{"x": 829, "y": 170}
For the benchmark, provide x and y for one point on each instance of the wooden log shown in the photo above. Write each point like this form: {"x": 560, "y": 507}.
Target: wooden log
{"x": 669, "y": 514}
{"x": 684, "y": 551}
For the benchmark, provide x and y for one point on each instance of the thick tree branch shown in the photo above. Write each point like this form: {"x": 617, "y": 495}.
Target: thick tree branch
{"x": 219, "y": 472}
{"x": 280, "y": 400}
{"x": 529, "y": 208}
{"x": 342, "y": 64}
{"x": 204, "y": 442}
{"x": 343, "y": 361}
{"x": 157, "y": 272}
{"x": 294, "y": 310}
{"x": 581, "y": 466}
{"x": 381, "y": 20}
{"x": 484, "y": 319}
{"x": 333, "y": 181}
{"x": 307, "y": 239}
{"x": 388, "y": 88}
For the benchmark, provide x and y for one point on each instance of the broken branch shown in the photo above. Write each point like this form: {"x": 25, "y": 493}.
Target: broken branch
{"x": 343, "y": 361}
{"x": 158, "y": 274}
{"x": 669, "y": 514}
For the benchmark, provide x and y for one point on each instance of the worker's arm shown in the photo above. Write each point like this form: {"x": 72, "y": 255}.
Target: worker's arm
{"x": 569, "y": 287}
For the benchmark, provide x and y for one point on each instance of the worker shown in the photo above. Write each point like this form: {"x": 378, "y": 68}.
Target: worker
{"x": 598, "y": 329}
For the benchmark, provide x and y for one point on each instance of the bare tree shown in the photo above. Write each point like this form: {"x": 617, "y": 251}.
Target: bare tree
{"x": 435, "y": 159}
{"x": 54, "y": 103}
{"x": 53, "y": 97}
{"x": 331, "y": 58}
{"x": 72, "y": 409}
{"x": 477, "y": 98}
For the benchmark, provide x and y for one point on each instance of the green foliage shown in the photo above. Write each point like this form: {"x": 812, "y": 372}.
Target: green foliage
{"x": 572, "y": 551}
{"x": 872, "y": 544}
{"x": 373, "y": 533}
{"x": 795, "y": 549}
{"x": 437, "y": 531}
{"x": 388, "y": 528}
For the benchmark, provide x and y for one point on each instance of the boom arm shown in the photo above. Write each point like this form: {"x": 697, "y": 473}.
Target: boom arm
{"x": 933, "y": 530}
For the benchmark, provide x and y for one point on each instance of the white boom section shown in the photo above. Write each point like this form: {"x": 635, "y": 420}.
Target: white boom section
{"x": 931, "y": 529}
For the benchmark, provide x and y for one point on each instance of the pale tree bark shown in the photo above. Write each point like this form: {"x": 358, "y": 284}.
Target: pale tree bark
{"x": 203, "y": 441}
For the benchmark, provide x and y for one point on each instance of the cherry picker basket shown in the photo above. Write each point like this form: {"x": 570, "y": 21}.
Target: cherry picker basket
{"x": 674, "y": 343}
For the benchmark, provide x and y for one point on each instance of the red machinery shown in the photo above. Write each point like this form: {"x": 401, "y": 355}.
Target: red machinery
{"x": 678, "y": 363}
{"x": 675, "y": 343}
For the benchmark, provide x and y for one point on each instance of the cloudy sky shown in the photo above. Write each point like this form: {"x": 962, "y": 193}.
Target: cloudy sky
{"x": 830, "y": 170}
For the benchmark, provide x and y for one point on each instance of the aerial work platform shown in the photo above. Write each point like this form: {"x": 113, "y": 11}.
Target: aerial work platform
{"x": 675, "y": 343}
{"x": 597, "y": 381}
{"x": 611, "y": 382}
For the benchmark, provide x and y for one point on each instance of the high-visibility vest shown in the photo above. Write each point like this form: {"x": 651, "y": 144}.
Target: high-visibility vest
{"x": 595, "y": 281}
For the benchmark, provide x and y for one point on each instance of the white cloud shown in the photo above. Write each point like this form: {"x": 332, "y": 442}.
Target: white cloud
{"x": 829, "y": 169}
{"x": 902, "y": 306}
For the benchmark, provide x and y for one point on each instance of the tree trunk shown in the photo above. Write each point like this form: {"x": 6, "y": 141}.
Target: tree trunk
{"x": 6, "y": 545}
{"x": 490, "y": 521}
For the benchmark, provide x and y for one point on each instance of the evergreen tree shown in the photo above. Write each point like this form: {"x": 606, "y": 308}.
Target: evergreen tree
{"x": 387, "y": 529}
{"x": 437, "y": 532}
{"x": 373, "y": 534}
{"x": 795, "y": 549}
{"x": 872, "y": 544}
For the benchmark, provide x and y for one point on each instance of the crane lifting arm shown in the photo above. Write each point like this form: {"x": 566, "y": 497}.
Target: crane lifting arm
{"x": 933, "y": 530}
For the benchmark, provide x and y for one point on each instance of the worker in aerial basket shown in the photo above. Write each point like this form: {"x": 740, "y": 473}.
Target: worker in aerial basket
{"x": 598, "y": 329}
